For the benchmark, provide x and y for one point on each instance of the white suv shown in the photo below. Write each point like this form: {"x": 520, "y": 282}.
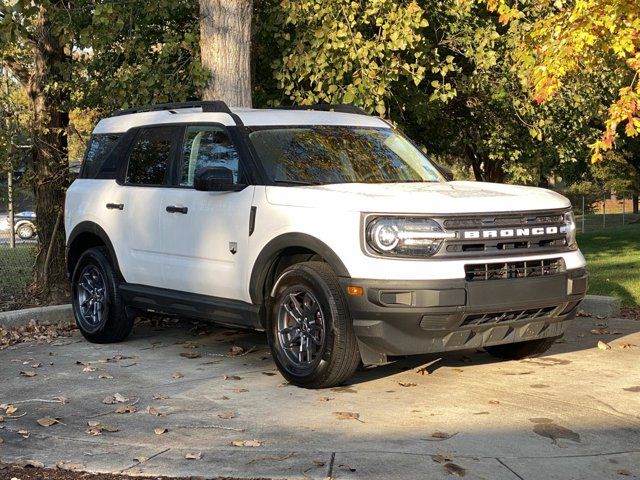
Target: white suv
{"x": 322, "y": 225}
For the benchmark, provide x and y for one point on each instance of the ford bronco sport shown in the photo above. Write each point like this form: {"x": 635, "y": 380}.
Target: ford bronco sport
{"x": 323, "y": 226}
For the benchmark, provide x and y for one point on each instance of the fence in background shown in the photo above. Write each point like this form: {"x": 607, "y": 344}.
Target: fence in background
{"x": 16, "y": 265}
{"x": 602, "y": 215}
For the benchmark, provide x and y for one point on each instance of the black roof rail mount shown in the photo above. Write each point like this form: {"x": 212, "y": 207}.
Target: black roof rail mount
{"x": 206, "y": 105}
{"x": 328, "y": 107}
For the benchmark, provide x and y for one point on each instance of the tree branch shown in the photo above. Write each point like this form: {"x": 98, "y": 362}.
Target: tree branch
{"x": 17, "y": 69}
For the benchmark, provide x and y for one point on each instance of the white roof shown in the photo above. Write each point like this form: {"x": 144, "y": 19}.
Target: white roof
{"x": 250, "y": 117}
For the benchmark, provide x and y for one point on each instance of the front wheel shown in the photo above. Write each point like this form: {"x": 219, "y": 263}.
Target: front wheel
{"x": 309, "y": 328}
{"x": 520, "y": 350}
{"x": 98, "y": 308}
{"x": 26, "y": 231}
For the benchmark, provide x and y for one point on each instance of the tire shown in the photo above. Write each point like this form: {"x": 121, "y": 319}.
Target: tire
{"x": 520, "y": 350}
{"x": 331, "y": 355}
{"x": 26, "y": 231}
{"x": 95, "y": 281}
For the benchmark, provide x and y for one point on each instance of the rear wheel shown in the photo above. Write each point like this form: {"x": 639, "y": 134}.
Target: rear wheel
{"x": 520, "y": 350}
{"x": 98, "y": 308}
{"x": 309, "y": 328}
{"x": 26, "y": 231}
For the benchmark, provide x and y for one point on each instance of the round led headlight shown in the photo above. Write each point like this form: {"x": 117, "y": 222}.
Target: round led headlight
{"x": 405, "y": 236}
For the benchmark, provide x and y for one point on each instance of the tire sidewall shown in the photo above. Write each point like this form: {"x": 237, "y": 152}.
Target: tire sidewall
{"x": 305, "y": 277}
{"x": 95, "y": 258}
{"x": 31, "y": 231}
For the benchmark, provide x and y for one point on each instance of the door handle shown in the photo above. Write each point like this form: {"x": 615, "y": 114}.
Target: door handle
{"x": 115, "y": 206}
{"x": 176, "y": 209}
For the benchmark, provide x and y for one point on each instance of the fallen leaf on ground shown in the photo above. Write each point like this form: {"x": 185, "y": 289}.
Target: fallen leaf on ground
{"x": 232, "y": 377}
{"x": 246, "y": 443}
{"x": 10, "y": 410}
{"x": 191, "y": 355}
{"x": 193, "y": 456}
{"x": 36, "y": 365}
{"x": 407, "y": 384}
{"x": 240, "y": 390}
{"x": 177, "y": 375}
{"x": 325, "y": 399}
{"x": 623, "y": 471}
{"x": 442, "y": 435}
{"x": 96, "y": 428}
{"x": 160, "y": 396}
{"x": 47, "y": 421}
{"x": 151, "y": 410}
{"x": 494, "y": 402}
{"x": 227, "y": 415}
{"x": 105, "y": 376}
{"x": 28, "y": 373}
{"x": 140, "y": 459}
{"x": 89, "y": 369}
{"x": 347, "y": 416}
{"x": 626, "y": 345}
{"x": 160, "y": 431}
{"x": 599, "y": 331}
{"x": 442, "y": 457}
{"x": 126, "y": 409}
{"x": 30, "y": 464}
{"x": 72, "y": 467}
{"x": 24, "y": 433}
{"x": 423, "y": 371}
{"x": 603, "y": 346}
{"x": 236, "y": 350}
{"x": 269, "y": 374}
{"x": 453, "y": 469}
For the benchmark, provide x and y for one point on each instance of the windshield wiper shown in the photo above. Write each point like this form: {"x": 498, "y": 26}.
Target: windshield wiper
{"x": 294, "y": 182}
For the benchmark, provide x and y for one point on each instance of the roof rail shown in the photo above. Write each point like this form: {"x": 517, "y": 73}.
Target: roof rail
{"x": 327, "y": 107}
{"x": 207, "y": 106}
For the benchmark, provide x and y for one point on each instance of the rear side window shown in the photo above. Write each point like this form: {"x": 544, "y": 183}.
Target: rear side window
{"x": 150, "y": 155}
{"x": 99, "y": 149}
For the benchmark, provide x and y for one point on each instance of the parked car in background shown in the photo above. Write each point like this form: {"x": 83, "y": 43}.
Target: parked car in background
{"x": 25, "y": 225}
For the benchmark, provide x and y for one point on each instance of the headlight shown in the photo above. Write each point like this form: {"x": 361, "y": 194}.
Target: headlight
{"x": 405, "y": 236}
{"x": 569, "y": 229}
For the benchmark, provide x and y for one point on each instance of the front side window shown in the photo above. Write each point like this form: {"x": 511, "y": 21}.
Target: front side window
{"x": 149, "y": 157}
{"x": 206, "y": 146}
{"x": 99, "y": 148}
{"x": 319, "y": 155}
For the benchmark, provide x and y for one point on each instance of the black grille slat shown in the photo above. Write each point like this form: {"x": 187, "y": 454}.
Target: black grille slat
{"x": 510, "y": 316}
{"x": 509, "y": 270}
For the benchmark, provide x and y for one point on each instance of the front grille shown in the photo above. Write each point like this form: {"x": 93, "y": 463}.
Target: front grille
{"x": 508, "y": 270}
{"x": 501, "y": 317}
{"x": 465, "y": 246}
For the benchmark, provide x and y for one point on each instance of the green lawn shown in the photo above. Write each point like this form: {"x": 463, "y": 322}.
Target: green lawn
{"x": 594, "y": 222}
{"x": 15, "y": 268}
{"x": 613, "y": 261}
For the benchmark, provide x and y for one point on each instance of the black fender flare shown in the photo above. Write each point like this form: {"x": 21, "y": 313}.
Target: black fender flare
{"x": 94, "y": 229}
{"x": 265, "y": 260}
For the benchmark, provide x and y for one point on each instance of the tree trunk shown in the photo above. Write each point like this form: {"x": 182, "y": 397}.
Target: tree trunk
{"x": 49, "y": 97}
{"x": 635, "y": 202}
{"x": 225, "y": 46}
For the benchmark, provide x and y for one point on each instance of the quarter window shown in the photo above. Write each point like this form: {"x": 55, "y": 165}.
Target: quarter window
{"x": 206, "y": 146}
{"x": 99, "y": 148}
{"x": 149, "y": 158}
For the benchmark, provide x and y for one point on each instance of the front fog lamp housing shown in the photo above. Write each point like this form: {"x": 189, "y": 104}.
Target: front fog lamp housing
{"x": 405, "y": 237}
{"x": 569, "y": 229}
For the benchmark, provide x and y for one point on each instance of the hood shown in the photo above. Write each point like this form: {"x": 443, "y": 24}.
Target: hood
{"x": 429, "y": 198}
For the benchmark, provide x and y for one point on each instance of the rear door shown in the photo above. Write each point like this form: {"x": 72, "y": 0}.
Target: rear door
{"x": 145, "y": 179}
{"x": 207, "y": 233}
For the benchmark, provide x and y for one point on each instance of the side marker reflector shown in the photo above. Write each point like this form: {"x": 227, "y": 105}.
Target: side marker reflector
{"x": 355, "y": 291}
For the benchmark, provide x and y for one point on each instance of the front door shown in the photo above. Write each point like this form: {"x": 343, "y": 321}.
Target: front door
{"x": 206, "y": 233}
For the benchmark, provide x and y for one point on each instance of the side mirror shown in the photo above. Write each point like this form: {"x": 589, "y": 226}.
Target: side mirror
{"x": 446, "y": 172}
{"x": 215, "y": 179}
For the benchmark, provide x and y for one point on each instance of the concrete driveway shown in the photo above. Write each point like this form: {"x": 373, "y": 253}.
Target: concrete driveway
{"x": 572, "y": 414}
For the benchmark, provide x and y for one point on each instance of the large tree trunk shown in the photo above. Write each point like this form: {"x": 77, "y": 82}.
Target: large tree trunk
{"x": 49, "y": 96}
{"x": 635, "y": 202}
{"x": 225, "y": 46}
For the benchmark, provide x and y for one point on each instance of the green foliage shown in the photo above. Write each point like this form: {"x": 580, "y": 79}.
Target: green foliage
{"x": 346, "y": 51}
{"x": 129, "y": 53}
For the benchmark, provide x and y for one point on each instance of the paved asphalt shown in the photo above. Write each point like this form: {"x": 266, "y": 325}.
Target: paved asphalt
{"x": 572, "y": 414}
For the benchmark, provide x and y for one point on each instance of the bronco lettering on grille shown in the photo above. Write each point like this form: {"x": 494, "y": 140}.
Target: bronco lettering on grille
{"x": 513, "y": 232}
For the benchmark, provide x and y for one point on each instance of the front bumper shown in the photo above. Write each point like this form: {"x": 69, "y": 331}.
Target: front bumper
{"x": 412, "y": 317}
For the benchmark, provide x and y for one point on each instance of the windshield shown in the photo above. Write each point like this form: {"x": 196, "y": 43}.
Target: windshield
{"x": 319, "y": 155}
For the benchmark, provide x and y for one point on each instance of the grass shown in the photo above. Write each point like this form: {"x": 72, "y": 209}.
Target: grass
{"x": 15, "y": 268}
{"x": 613, "y": 261}
{"x": 593, "y": 221}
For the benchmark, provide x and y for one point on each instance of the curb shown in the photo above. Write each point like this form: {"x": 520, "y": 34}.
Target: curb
{"x": 601, "y": 306}
{"x": 54, "y": 314}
